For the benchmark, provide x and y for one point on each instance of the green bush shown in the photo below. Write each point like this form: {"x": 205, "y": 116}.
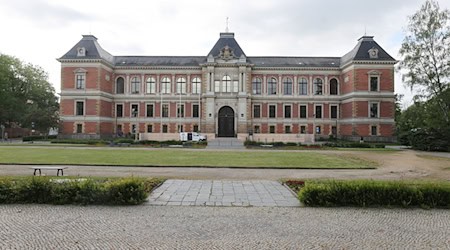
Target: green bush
{"x": 38, "y": 138}
{"x": 344, "y": 144}
{"x": 119, "y": 191}
{"x": 367, "y": 193}
{"x": 79, "y": 141}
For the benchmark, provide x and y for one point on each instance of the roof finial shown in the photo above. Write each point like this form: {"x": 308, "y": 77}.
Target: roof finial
{"x": 365, "y": 30}
{"x": 226, "y": 29}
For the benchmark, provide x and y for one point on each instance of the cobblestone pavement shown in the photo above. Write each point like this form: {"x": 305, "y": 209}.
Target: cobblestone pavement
{"x": 223, "y": 193}
{"x": 184, "y": 227}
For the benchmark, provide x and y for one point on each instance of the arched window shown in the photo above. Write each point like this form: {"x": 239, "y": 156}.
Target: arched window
{"x": 135, "y": 85}
{"x": 196, "y": 84}
{"x": 226, "y": 83}
{"x": 120, "y": 85}
{"x": 181, "y": 85}
{"x": 165, "y": 85}
{"x": 318, "y": 84}
{"x": 256, "y": 86}
{"x": 303, "y": 86}
{"x": 333, "y": 86}
{"x": 151, "y": 85}
{"x": 272, "y": 86}
{"x": 287, "y": 86}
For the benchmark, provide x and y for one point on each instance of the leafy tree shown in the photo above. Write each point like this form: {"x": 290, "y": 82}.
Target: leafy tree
{"x": 26, "y": 97}
{"x": 426, "y": 53}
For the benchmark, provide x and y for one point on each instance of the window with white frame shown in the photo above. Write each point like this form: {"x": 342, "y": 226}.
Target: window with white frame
{"x": 333, "y": 111}
{"x": 318, "y": 109}
{"x": 287, "y": 86}
{"x": 374, "y": 83}
{"x": 79, "y": 108}
{"x": 119, "y": 110}
{"x": 151, "y": 85}
{"x": 303, "y": 129}
{"x": 120, "y": 85}
{"x": 333, "y": 86}
{"x": 272, "y": 129}
{"x": 196, "y": 128}
{"x": 302, "y": 86}
{"x": 134, "y": 110}
{"x": 373, "y": 110}
{"x": 256, "y": 111}
{"x": 150, "y": 110}
{"x": 374, "y": 130}
{"x": 226, "y": 83}
{"x": 196, "y": 85}
{"x": 216, "y": 86}
{"x": 257, "y": 129}
{"x": 165, "y": 110}
{"x": 303, "y": 111}
{"x": 318, "y": 86}
{"x": 318, "y": 130}
{"x": 135, "y": 85}
{"x": 149, "y": 128}
{"x": 79, "y": 128}
{"x": 180, "y": 110}
{"x": 256, "y": 86}
{"x": 165, "y": 128}
{"x": 272, "y": 111}
{"x": 181, "y": 85}
{"x": 80, "y": 79}
{"x": 165, "y": 85}
{"x": 287, "y": 111}
{"x": 195, "y": 110}
{"x": 272, "y": 86}
{"x": 287, "y": 129}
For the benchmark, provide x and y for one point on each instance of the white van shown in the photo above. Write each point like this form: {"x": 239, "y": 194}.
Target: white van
{"x": 192, "y": 136}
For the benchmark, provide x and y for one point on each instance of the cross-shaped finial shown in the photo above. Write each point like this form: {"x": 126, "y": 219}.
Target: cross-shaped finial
{"x": 226, "y": 29}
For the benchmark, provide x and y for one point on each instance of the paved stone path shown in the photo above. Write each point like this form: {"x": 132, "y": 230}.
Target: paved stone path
{"x": 187, "y": 227}
{"x": 223, "y": 193}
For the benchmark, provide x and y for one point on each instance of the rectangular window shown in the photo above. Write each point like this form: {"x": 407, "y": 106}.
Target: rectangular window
{"x": 256, "y": 111}
{"x": 303, "y": 87}
{"x": 216, "y": 86}
{"x": 334, "y": 112}
{"x": 165, "y": 110}
{"x": 195, "y": 128}
{"x": 257, "y": 129}
{"x": 195, "y": 110}
{"x": 302, "y": 129}
{"x": 318, "y": 130}
{"x": 149, "y": 110}
{"x": 180, "y": 110}
{"x": 235, "y": 86}
{"x": 119, "y": 110}
{"x": 79, "y": 108}
{"x": 79, "y": 128}
{"x": 134, "y": 110}
{"x": 334, "y": 130}
{"x": 302, "y": 111}
{"x": 164, "y": 128}
{"x": 287, "y": 129}
{"x": 272, "y": 111}
{"x": 374, "y": 83}
{"x": 133, "y": 128}
{"x": 180, "y": 128}
{"x": 373, "y": 110}
{"x": 81, "y": 79}
{"x": 149, "y": 128}
{"x": 272, "y": 129}
{"x": 374, "y": 130}
{"x": 287, "y": 111}
{"x": 318, "y": 111}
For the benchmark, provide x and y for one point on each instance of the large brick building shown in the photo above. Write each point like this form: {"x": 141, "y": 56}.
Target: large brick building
{"x": 228, "y": 94}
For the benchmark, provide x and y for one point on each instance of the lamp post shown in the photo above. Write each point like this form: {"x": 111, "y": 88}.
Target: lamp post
{"x": 136, "y": 128}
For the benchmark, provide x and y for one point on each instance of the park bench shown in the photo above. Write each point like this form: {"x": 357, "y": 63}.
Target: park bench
{"x": 58, "y": 169}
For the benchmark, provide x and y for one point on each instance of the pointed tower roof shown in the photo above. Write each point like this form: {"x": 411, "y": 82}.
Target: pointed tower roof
{"x": 366, "y": 50}
{"x": 88, "y": 48}
{"x": 226, "y": 40}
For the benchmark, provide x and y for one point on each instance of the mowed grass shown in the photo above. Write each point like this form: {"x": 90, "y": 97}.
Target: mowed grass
{"x": 177, "y": 157}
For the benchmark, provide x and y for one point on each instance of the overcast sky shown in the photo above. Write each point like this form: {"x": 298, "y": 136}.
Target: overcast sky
{"x": 40, "y": 31}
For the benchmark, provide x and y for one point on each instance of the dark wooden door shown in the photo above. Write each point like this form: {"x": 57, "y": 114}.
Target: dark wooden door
{"x": 226, "y": 122}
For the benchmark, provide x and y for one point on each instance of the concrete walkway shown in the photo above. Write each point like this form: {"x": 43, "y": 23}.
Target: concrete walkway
{"x": 223, "y": 193}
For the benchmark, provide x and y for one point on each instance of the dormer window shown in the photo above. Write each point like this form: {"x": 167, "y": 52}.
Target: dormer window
{"x": 373, "y": 53}
{"x": 81, "y": 51}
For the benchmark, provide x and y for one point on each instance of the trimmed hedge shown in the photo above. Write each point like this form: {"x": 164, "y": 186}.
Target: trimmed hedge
{"x": 368, "y": 193}
{"x": 353, "y": 145}
{"x": 47, "y": 190}
{"x": 38, "y": 138}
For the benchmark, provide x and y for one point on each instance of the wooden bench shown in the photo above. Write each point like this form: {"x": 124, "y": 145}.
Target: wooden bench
{"x": 58, "y": 169}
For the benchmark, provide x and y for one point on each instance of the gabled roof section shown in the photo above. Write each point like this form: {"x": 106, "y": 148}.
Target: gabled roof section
{"x": 92, "y": 50}
{"x": 227, "y": 39}
{"x": 361, "y": 52}
{"x": 159, "y": 60}
{"x": 301, "y": 62}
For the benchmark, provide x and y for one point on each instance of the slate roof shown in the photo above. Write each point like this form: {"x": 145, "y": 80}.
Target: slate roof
{"x": 358, "y": 53}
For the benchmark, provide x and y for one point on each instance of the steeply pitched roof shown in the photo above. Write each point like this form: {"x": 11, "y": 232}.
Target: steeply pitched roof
{"x": 92, "y": 48}
{"x": 226, "y": 39}
{"x": 361, "y": 52}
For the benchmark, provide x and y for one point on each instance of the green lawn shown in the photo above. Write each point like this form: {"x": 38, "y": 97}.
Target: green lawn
{"x": 177, "y": 157}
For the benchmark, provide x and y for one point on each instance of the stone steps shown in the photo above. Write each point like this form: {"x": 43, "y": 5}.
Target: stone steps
{"x": 225, "y": 143}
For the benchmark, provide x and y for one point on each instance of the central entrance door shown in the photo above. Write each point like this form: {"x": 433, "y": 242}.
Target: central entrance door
{"x": 226, "y": 122}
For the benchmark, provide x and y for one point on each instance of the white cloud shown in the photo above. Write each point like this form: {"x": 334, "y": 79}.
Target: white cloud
{"x": 40, "y": 31}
